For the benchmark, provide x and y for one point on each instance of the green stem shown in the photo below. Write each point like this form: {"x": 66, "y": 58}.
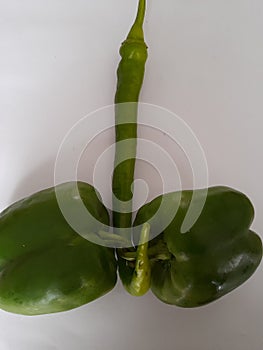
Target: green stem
{"x": 136, "y": 32}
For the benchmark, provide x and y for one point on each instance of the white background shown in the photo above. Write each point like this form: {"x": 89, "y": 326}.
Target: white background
{"x": 58, "y": 61}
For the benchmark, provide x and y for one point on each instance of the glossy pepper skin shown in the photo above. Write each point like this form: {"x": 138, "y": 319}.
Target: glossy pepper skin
{"x": 45, "y": 265}
{"x": 215, "y": 256}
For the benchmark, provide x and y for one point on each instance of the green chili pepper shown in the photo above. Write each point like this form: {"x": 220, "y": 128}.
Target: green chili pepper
{"x": 217, "y": 255}
{"x": 130, "y": 75}
{"x": 45, "y": 265}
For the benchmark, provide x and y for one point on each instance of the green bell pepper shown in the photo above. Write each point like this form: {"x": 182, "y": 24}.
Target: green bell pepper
{"x": 45, "y": 265}
{"x": 215, "y": 256}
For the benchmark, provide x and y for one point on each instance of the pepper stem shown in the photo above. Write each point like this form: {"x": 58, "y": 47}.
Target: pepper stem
{"x": 136, "y": 32}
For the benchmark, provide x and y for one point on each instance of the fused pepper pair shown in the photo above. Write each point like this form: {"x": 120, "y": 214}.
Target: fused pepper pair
{"x": 47, "y": 267}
